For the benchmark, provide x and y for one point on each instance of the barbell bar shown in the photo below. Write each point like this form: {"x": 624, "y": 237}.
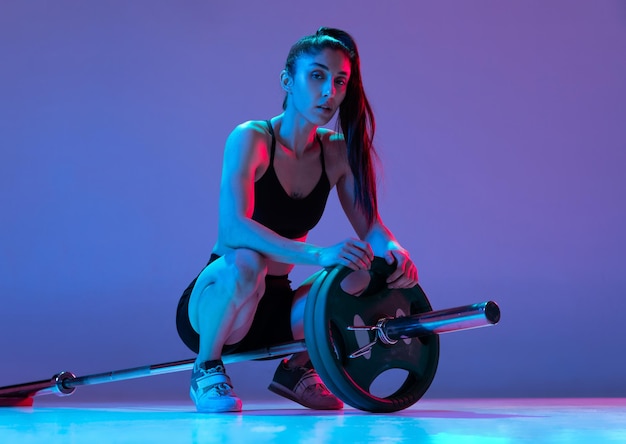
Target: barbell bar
{"x": 434, "y": 322}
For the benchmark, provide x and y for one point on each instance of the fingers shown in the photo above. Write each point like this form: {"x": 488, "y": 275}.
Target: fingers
{"x": 405, "y": 274}
{"x": 403, "y": 279}
{"x": 356, "y": 254}
{"x": 390, "y": 258}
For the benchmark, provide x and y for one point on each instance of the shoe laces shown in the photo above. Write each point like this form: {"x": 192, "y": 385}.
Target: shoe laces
{"x": 221, "y": 388}
{"x": 217, "y": 369}
{"x": 318, "y": 387}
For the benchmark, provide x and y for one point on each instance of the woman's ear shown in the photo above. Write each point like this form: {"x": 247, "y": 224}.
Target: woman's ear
{"x": 285, "y": 80}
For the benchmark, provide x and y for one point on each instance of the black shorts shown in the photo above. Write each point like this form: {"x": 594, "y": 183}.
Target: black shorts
{"x": 271, "y": 324}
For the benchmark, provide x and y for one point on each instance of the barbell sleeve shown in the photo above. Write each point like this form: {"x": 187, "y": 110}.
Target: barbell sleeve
{"x": 442, "y": 321}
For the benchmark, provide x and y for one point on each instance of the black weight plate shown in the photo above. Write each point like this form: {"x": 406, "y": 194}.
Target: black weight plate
{"x": 328, "y": 313}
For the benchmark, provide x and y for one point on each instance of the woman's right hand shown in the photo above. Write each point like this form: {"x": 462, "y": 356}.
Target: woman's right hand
{"x": 352, "y": 253}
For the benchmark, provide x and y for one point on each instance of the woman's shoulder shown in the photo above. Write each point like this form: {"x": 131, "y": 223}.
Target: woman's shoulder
{"x": 248, "y": 143}
{"x": 249, "y": 134}
{"x": 333, "y": 142}
{"x": 251, "y": 128}
{"x": 331, "y": 138}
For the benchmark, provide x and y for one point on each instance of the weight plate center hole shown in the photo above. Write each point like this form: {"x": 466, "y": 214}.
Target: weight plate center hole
{"x": 356, "y": 282}
{"x": 388, "y": 382}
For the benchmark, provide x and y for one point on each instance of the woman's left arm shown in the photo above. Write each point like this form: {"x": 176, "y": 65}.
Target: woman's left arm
{"x": 380, "y": 238}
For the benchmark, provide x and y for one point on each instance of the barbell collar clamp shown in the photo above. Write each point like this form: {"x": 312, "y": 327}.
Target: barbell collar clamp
{"x": 379, "y": 333}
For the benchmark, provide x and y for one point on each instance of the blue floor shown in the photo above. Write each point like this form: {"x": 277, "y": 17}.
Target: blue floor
{"x": 588, "y": 421}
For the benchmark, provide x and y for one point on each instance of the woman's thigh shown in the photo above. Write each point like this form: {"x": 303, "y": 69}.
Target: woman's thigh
{"x": 237, "y": 274}
{"x": 299, "y": 303}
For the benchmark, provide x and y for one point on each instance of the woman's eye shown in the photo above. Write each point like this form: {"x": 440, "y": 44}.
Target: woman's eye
{"x": 341, "y": 82}
{"x": 317, "y": 75}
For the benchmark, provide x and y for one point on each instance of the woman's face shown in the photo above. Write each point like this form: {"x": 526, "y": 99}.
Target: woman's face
{"x": 319, "y": 85}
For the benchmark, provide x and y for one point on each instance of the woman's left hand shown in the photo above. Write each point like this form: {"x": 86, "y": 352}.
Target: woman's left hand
{"x": 405, "y": 275}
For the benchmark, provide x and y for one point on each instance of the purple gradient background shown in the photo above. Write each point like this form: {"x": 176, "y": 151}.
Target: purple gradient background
{"x": 502, "y": 130}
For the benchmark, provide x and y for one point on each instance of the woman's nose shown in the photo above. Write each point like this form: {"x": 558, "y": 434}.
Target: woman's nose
{"x": 329, "y": 90}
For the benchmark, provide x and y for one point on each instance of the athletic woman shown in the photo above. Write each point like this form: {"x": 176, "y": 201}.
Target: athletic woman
{"x": 276, "y": 178}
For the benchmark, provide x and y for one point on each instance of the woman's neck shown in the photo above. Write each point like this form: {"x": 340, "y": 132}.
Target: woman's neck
{"x": 295, "y": 134}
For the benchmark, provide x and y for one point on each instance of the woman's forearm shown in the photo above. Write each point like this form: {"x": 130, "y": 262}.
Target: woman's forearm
{"x": 249, "y": 234}
{"x": 381, "y": 238}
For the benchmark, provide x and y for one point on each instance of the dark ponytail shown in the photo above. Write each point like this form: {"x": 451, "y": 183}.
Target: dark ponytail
{"x": 358, "y": 125}
{"x": 356, "y": 119}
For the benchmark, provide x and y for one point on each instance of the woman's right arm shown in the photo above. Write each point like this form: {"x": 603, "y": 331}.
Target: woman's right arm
{"x": 245, "y": 151}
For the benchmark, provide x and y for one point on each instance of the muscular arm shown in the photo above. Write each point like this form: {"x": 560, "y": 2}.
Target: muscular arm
{"x": 377, "y": 234}
{"x": 380, "y": 238}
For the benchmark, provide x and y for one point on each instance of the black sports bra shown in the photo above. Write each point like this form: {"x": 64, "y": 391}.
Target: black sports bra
{"x": 286, "y": 216}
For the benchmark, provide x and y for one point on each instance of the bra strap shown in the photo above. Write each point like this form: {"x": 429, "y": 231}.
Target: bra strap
{"x": 273, "y": 148}
{"x": 319, "y": 140}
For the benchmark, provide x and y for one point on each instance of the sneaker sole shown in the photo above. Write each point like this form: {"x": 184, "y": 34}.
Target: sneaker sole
{"x": 283, "y": 391}
{"x": 235, "y": 408}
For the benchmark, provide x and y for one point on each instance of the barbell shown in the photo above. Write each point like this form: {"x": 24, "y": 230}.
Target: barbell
{"x": 353, "y": 334}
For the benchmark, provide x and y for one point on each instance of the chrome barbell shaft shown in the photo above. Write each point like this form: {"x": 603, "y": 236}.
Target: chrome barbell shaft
{"x": 441, "y": 321}
{"x": 179, "y": 366}
{"x": 65, "y": 383}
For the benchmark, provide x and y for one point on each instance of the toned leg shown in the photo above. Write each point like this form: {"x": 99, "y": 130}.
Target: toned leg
{"x": 295, "y": 378}
{"x": 221, "y": 310}
{"x": 224, "y": 300}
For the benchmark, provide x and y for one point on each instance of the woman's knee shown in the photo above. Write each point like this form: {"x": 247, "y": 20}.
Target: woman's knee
{"x": 237, "y": 280}
{"x": 244, "y": 271}
{"x": 248, "y": 264}
{"x": 245, "y": 265}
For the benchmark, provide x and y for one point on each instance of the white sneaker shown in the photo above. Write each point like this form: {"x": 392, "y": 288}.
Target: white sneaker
{"x": 211, "y": 389}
